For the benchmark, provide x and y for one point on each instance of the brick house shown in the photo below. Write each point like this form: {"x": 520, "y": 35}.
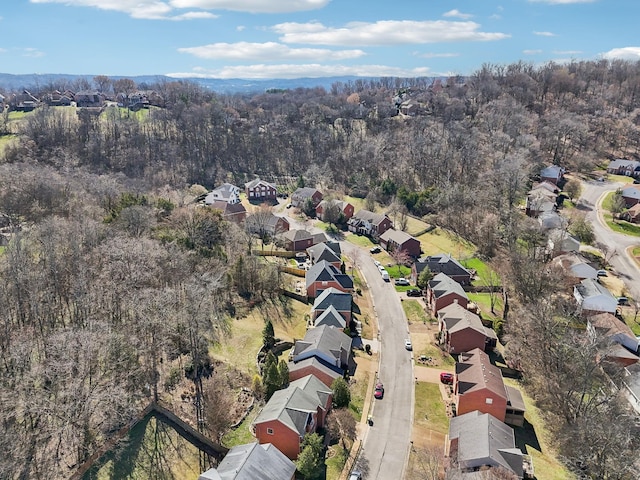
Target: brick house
{"x": 442, "y": 291}
{"x": 463, "y": 331}
{"x": 340, "y": 301}
{"x": 324, "y": 275}
{"x": 619, "y": 166}
{"x": 292, "y": 413}
{"x": 631, "y": 195}
{"x": 441, "y": 263}
{"x": 232, "y": 212}
{"x": 553, "y": 174}
{"x": 329, "y": 251}
{"x": 325, "y": 372}
{"x": 397, "y": 240}
{"x": 479, "y": 386}
{"x": 368, "y": 223}
{"x": 301, "y": 195}
{"x": 329, "y": 344}
{"x": 258, "y": 191}
{"x": 346, "y": 208}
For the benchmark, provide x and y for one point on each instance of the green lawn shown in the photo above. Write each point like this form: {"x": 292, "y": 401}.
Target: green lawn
{"x": 429, "y": 409}
{"x": 414, "y": 311}
{"x": 620, "y": 178}
{"x": 415, "y": 226}
{"x": 359, "y": 240}
{"x": 633, "y": 324}
{"x": 358, "y": 394}
{"x": 635, "y": 251}
{"x": 242, "y": 434}
{"x": 483, "y": 300}
{"x": 443, "y": 241}
{"x": 483, "y": 270}
{"x": 622, "y": 226}
{"x": 337, "y": 457}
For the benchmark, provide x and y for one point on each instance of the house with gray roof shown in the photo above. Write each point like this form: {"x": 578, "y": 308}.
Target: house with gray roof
{"x": 397, "y": 240}
{"x": 539, "y": 201}
{"x": 553, "y": 174}
{"x": 299, "y": 240}
{"x": 592, "y": 297}
{"x": 479, "y": 440}
{"x": 315, "y": 387}
{"x": 560, "y": 241}
{"x": 346, "y": 209}
{"x": 225, "y": 192}
{"x": 260, "y": 191}
{"x": 289, "y": 415}
{"x": 619, "y": 166}
{"x": 442, "y": 291}
{"x": 441, "y": 263}
{"x": 252, "y": 461}
{"x": 576, "y": 266}
{"x": 314, "y": 366}
{"x": 462, "y": 330}
{"x": 341, "y": 302}
{"x": 368, "y": 223}
{"x": 614, "y": 330}
{"x": 329, "y": 344}
{"x": 330, "y": 317}
{"x": 262, "y": 223}
{"x": 631, "y": 195}
{"x": 304, "y": 194}
{"x": 324, "y": 275}
{"x": 329, "y": 251}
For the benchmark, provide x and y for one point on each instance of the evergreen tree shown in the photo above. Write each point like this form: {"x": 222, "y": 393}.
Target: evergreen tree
{"x": 341, "y": 393}
{"x": 268, "y": 335}
{"x": 271, "y": 376}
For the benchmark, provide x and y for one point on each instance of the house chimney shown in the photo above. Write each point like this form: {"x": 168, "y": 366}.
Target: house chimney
{"x": 455, "y": 300}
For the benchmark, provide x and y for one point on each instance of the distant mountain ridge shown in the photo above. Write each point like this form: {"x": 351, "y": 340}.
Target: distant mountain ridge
{"x": 11, "y": 82}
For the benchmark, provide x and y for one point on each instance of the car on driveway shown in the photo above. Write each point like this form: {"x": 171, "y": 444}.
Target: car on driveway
{"x": 623, "y": 301}
{"x": 402, "y": 282}
{"x": 408, "y": 345}
{"x": 446, "y": 378}
{"x": 414, "y": 292}
{"x": 601, "y": 273}
{"x": 379, "y": 391}
{"x": 375, "y": 249}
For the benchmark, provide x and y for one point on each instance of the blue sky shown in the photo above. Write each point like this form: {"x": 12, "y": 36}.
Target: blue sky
{"x": 307, "y": 38}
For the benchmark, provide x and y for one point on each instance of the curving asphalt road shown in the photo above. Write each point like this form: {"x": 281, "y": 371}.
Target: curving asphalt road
{"x": 623, "y": 266}
{"x": 386, "y": 444}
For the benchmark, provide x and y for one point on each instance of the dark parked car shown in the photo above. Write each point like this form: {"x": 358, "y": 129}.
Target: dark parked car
{"x": 446, "y": 378}
{"x": 414, "y": 292}
{"x": 379, "y": 391}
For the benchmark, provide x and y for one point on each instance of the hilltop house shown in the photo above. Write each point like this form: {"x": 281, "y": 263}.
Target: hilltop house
{"x": 258, "y": 191}
{"x": 397, "y": 240}
{"x": 304, "y": 194}
{"x": 368, "y": 223}
{"x": 225, "y": 192}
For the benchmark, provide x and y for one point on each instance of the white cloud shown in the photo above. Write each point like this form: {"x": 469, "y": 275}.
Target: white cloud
{"x": 142, "y": 9}
{"x": 384, "y": 32}
{"x": 437, "y": 55}
{"x": 561, "y": 2}
{"x": 269, "y": 51}
{"x": 240, "y": 28}
{"x": 32, "y": 53}
{"x": 309, "y": 70}
{"x": 624, "y": 53}
{"x": 457, "y": 13}
{"x": 253, "y": 6}
{"x": 531, "y": 52}
{"x": 567, "y": 52}
{"x": 544, "y": 34}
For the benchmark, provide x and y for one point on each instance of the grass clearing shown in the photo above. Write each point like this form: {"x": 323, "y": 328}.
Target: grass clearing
{"x": 360, "y": 381}
{"x": 429, "y": 412}
{"x": 414, "y": 311}
{"x": 484, "y": 272}
{"x": 483, "y": 301}
{"x": 622, "y": 226}
{"x": 336, "y": 458}
{"x": 415, "y": 226}
{"x": 620, "y": 178}
{"x": 359, "y": 240}
{"x": 242, "y": 434}
{"x": 443, "y": 241}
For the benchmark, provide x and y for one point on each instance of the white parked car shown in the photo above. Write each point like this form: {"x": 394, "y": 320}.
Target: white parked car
{"x": 408, "y": 345}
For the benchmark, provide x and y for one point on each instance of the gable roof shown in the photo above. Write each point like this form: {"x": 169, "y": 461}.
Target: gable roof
{"x": 442, "y": 263}
{"x": 576, "y": 265}
{"x": 608, "y": 325}
{"x": 552, "y": 171}
{"x": 305, "y": 192}
{"x": 314, "y": 386}
{"x": 481, "y": 436}
{"x": 397, "y": 236}
{"x": 227, "y": 208}
{"x": 368, "y": 216}
{"x": 252, "y": 461}
{"x": 316, "y": 363}
{"x": 291, "y": 407}
{"x": 326, "y": 339}
{"x": 632, "y": 191}
{"x": 325, "y": 272}
{"x": 224, "y": 191}
{"x": 442, "y": 285}
{"x": 474, "y": 372}
{"x": 331, "y": 317}
{"x": 340, "y": 203}
{"x": 256, "y": 181}
{"x": 590, "y": 288}
{"x": 341, "y": 301}
{"x": 457, "y": 318}
{"x": 296, "y": 235}
{"x": 622, "y": 163}
{"x": 324, "y": 251}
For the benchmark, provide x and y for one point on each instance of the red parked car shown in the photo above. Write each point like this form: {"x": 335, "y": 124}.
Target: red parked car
{"x": 379, "y": 391}
{"x": 446, "y": 378}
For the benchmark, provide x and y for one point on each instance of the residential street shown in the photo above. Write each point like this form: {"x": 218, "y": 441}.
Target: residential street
{"x": 386, "y": 444}
{"x": 624, "y": 266}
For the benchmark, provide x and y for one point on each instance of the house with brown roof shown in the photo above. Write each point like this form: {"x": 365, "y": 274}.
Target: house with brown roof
{"x": 462, "y": 330}
{"x": 633, "y": 214}
{"x": 346, "y": 209}
{"x": 232, "y": 212}
{"x": 479, "y": 386}
{"x": 259, "y": 191}
{"x": 441, "y": 263}
{"x": 292, "y": 413}
{"x": 442, "y": 291}
{"x": 303, "y": 194}
{"x": 368, "y": 223}
{"x": 606, "y": 326}
{"x": 397, "y": 240}
{"x": 299, "y": 240}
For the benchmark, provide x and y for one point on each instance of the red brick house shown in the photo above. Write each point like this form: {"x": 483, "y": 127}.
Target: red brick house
{"x": 322, "y": 276}
{"x": 462, "y": 330}
{"x": 314, "y": 366}
{"x": 394, "y": 240}
{"x": 552, "y": 174}
{"x": 291, "y": 413}
{"x": 258, "y": 191}
{"x": 479, "y": 386}
{"x": 631, "y": 195}
{"x": 441, "y": 263}
{"x": 232, "y": 212}
{"x": 346, "y": 208}
{"x": 442, "y": 291}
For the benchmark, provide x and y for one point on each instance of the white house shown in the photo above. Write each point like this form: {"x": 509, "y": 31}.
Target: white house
{"x": 225, "y": 192}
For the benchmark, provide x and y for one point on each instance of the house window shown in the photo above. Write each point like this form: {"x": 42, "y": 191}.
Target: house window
{"x": 270, "y": 431}
{"x": 489, "y": 401}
